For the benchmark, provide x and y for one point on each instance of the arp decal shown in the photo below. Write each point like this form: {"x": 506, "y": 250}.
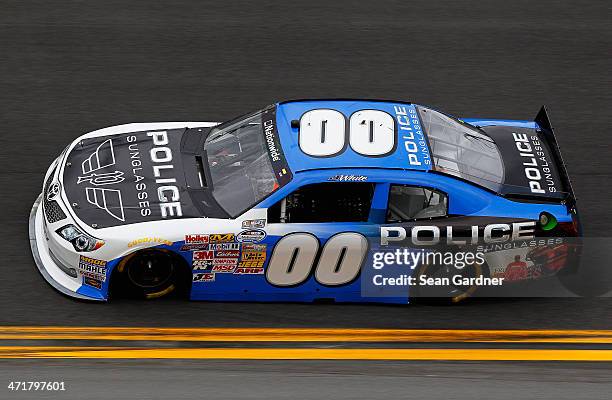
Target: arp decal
{"x": 250, "y": 268}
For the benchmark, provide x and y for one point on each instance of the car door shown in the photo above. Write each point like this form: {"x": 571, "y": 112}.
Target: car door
{"x": 319, "y": 238}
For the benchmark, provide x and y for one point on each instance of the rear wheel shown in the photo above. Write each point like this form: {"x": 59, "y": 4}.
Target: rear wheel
{"x": 446, "y": 294}
{"x": 151, "y": 274}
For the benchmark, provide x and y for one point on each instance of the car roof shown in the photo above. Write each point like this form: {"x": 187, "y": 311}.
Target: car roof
{"x": 409, "y": 135}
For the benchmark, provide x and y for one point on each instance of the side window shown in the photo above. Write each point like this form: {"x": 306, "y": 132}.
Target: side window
{"x": 325, "y": 202}
{"x": 408, "y": 203}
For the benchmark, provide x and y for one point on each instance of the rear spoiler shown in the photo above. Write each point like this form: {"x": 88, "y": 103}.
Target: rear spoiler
{"x": 545, "y": 127}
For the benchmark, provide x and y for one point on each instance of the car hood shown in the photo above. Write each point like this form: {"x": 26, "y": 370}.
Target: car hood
{"x": 129, "y": 178}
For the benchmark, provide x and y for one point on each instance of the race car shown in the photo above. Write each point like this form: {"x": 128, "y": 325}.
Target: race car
{"x": 291, "y": 202}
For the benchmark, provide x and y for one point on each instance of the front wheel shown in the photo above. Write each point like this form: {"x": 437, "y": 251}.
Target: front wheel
{"x": 150, "y": 274}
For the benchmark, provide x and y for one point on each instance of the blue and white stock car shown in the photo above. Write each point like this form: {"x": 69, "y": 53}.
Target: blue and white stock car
{"x": 288, "y": 203}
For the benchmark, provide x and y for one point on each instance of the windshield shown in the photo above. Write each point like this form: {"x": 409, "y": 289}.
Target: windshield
{"x": 240, "y": 167}
{"x": 460, "y": 150}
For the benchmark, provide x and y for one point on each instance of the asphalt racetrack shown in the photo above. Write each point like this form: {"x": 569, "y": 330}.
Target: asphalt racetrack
{"x": 67, "y": 68}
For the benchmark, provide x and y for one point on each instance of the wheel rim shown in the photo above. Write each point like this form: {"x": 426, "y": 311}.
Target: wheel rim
{"x": 452, "y": 292}
{"x": 151, "y": 271}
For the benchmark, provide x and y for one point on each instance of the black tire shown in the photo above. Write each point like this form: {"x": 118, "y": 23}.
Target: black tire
{"x": 445, "y": 295}
{"x": 151, "y": 274}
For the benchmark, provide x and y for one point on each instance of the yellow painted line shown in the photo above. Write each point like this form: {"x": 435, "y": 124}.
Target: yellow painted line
{"x": 307, "y": 354}
{"x": 302, "y": 335}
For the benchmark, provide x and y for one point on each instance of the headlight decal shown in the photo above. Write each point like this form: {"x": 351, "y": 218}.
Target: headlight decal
{"x": 81, "y": 242}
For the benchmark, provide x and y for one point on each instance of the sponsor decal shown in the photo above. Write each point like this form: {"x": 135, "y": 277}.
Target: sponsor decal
{"x": 92, "y": 268}
{"x": 196, "y": 239}
{"x": 411, "y": 135}
{"x": 133, "y": 177}
{"x": 221, "y": 237}
{"x": 203, "y": 255}
{"x": 275, "y": 152}
{"x": 253, "y": 223}
{"x": 254, "y": 255}
{"x": 149, "y": 240}
{"x": 195, "y": 242}
{"x": 251, "y": 264}
{"x": 223, "y": 269}
{"x": 224, "y": 246}
{"x": 192, "y": 247}
{"x": 227, "y": 253}
{"x": 251, "y": 235}
{"x": 244, "y": 270}
{"x": 92, "y": 282}
{"x": 199, "y": 265}
{"x": 348, "y": 178}
{"x": 225, "y": 261}
{"x": 253, "y": 247}
{"x": 163, "y": 171}
{"x": 204, "y": 277}
{"x": 431, "y": 235}
{"x": 536, "y": 166}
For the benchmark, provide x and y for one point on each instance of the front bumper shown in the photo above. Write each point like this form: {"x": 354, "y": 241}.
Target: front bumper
{"x": 47, "y": 266}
